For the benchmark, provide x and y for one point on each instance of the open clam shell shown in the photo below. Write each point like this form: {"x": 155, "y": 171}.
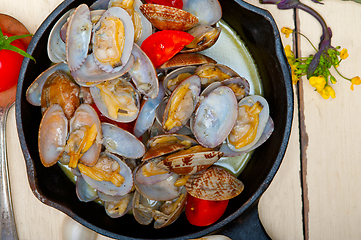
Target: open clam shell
{"x": 85, "y": 115}
{"x": 123, "y": 16}
{"x": 186, "y": 59}
{"x": 210, "y": 73}
{"x": 150, "y": 165}
{"x": 78, "y": 37}
{"x": 172, "y": 79}
{"x": 181, "y": 104}
{"x": 84, "y": 191}
{"x": 52, "y": 135}
{"x": 121, "y": 142}
{"x": 215, "y": 117}
{"x": 108, "y": 187}
{"x": 207, "y": 11}
{"x": 116, "y": 209}
{"x": 143, "y": 73}
{"x": 33, "y": 93}
{"x": 205, "y": 36}
{"x": 262, "y": 122}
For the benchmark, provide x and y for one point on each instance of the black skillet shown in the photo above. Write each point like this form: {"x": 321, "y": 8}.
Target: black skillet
{"x": 258, "y": 30}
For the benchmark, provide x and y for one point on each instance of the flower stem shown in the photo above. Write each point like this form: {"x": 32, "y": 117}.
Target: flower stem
{"x": 342, "y": 75}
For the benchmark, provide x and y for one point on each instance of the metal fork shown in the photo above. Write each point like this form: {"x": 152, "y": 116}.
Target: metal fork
{"x": 8, "y": 227}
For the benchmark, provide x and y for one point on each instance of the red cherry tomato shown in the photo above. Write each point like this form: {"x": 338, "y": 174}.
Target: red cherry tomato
{"x": 126, "y": 126}
{"x": 10, "y": 64}
{"x": 170, "y": 3}
{"x": 201, "y": 212}
{"x": 163, "y": 45}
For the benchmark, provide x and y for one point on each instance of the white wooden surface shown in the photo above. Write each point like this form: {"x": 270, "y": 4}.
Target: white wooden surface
{"x": 333, "y": 167}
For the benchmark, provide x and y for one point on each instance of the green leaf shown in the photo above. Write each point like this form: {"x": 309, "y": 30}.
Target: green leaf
{"x": 18, "y": 50}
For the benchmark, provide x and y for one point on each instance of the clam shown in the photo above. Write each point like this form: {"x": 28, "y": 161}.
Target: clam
{"x": 186, "y": 59}
{"x": 33, "y": 93}
{"x": 61, "y": 89}
{"x": 215, "y": 184}
{"x": 207, "y": 11}
{"x": 215, "y": 117}
{"x": 113, "y": 38}
{"x": 181, "y": 104}
{"x": 110, "y": 175}
{"x": 52, "y": 135}
{"x": 144, "y": 208}
{"x": 210, "y": 73}
{"x": 56, "y": 45}
{"x": 117, "y": 99}
{"x": 84, "y": 191}
{"x": 116, "y": 209}
{"x": 190, "y": 161}
{"x": 205, "y": 36}
{"x": 143, "y": 73}
{"x": 168, "y": 18}
{"x": 161, "y": 191}
{"x": 253, "y": 115}
{"x": 165, "y": 144}
{"x": 172, "y": 79}
{"x": 78, "y": 37}
{"x": 121, "y": 142}
{"x": 149, "y": 173}
{"x": 89, "y": 74}
{"x": 147, "y": 113}
{"x": 239, "y": 86}
{"x": 85, "y": 116}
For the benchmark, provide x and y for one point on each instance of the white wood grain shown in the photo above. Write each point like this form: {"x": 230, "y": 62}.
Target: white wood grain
{"x": 333, "y": 153}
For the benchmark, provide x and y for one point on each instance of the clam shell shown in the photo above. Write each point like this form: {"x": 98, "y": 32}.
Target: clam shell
{"x": 95, "y": 92}
{"x": 33, "y": 93}
{"x": 190, "y": 163}
{"x": 108, "y": 187}
{"x": 160, "y": 191}
{"x": 89, "y": 74}
{"x": 78, "y": 37}
{"x": 207, "y": 11}
{"x": 85, "y": 115}
{"x": 168, "y": 18}
{"x": 52, "y": 135}
{"x": 84, "y": 191}
{"x": 56, "y": 46}
{"x": 100, "y": 5}
{"x": 215, "y": 184}
{"x": 205, "y": 36}
{"x": 204, "y": 69}
{"x": 142, "y": 179}
{"x": 263, "y": 119}
{"x": 143, "y": 73}
{"x": 116, "y": 209}
{"x": 173, "y": 74}
{"x": 147, "y": 113}
{"x": 129, "y": 37}
{"x": 215, "y": 117}
{"x": 188, "y": 107}
{"x": 186, "y": 59}
{"x": 143, "y": 208}
{"x": 168, "y": 146}
{"x": 121, "y": 142}
{"x": 61, "y": 89}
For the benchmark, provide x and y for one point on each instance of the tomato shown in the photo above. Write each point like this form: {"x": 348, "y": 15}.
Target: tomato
{"x": 126, "y": 126}
{"x": 170, "y": 3}
{"x": 163, "y": 45}
{"x": 10, "y": 64}
{"x": 201, "y": 212}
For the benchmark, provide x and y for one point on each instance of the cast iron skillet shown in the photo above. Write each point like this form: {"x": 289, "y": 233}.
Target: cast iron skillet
{"x": 260, "y": 34}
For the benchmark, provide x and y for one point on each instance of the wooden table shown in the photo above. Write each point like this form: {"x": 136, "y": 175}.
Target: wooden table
{"x": 315, "y": 194}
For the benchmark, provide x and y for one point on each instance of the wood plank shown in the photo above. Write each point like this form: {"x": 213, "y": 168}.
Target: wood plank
{"x": 280, "y": 207}
{"x": 333, "y": 166}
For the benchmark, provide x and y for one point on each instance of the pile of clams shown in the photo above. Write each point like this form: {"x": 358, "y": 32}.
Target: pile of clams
{"x": 185, "y": 115}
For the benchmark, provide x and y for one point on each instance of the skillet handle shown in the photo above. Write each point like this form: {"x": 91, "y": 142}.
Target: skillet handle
{"x": 247, "y": 226}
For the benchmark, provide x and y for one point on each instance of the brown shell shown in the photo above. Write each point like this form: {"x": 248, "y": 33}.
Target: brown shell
{"x": 190, "y": 163}
{"x": 61, "y": 89}
{"x": 168, "y": 18}
{"x": 214, "y": 183}
{"x": 203, "y": 41}
{"x": 186, "y": 59}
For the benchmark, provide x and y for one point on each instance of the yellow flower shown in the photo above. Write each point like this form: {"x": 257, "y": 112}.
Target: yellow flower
{"x": 287, "y": 31}
{"x": 327, "y": 92}
{"x": 355, "y": 81}
{"x": 318, "y": 82}
{"x": 290, "y": 58}
{"x": 343, "y": 53}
